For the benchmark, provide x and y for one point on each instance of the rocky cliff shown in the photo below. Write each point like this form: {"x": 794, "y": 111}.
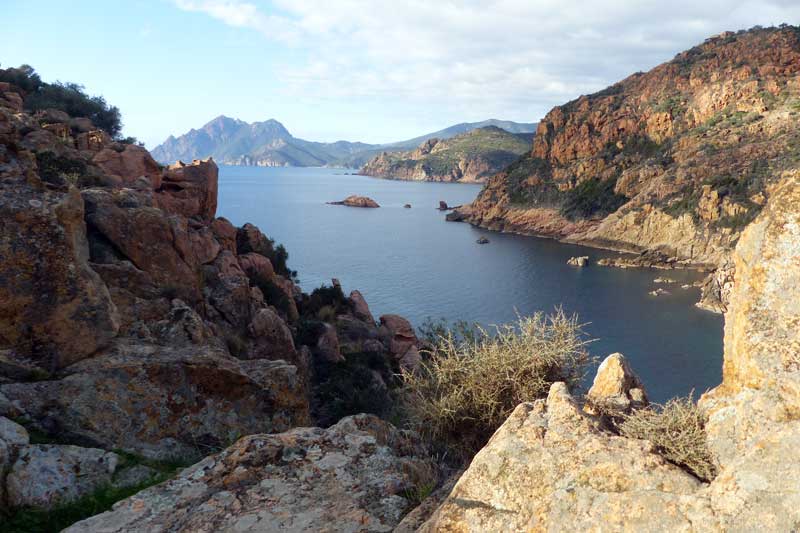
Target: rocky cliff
{"x": 469, "y": 157}
{"x": 554, "y": 467}
{"x": 676, "y": 160}
{"x": 139, "y": 328}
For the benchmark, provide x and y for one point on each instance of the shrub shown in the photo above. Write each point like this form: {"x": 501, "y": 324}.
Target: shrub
{"x": 351, "y": 387}
{"x": 590, "y": 198}
{"x": 68, "y": 97}
{"x": 326, "y": 296}
{"x": 465, "y": 388}
{"x": 59, "y": 170}
{"x": 677, "y": 430}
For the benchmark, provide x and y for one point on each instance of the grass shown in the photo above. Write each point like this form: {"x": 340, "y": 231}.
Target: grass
{"x": 677, "y": 431}
{"x": 591, "y": 198}
{"x": 466, "y": 386}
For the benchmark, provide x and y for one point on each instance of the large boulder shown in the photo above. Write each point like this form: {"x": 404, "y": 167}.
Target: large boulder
{"x": 399, "y": 337}
{"x": 616, "y": 389}
{"x": 46, "y": 475}
{"x": 55, "y": 309}
{"x": 190, "y": 190}
{"x": 349, "y": 477}
{"x": 550, "y": 467}
{"x": 124, "y": 164}
{"x": 360, "y": 307}
{"x": 164, "y": 402}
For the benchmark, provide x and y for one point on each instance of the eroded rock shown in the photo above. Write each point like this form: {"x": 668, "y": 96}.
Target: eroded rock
{"x": 349, "y": 477}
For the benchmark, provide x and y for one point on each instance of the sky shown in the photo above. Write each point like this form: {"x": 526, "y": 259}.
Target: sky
{"x": 360, "y": 70}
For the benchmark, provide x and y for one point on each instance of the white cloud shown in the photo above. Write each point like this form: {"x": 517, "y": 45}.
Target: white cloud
{"x": 509, "y": 58}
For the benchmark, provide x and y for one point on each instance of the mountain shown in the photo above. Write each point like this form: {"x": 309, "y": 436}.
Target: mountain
{"x": 674, "y": 162}
{"x": 269, "y": 143}
{"x": 236, "y": 142}
{"x": 467, "y": 157}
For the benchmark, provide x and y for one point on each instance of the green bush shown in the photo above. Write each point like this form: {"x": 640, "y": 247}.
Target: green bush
{"x": 466, "y": 387}
{"x": 68, "y": 97}
{"x": 590, "y": 198}
{"x": 677, "y": 431}
{"x": 326, "y": 297}
{"x": 351, "y": 387}
{"x": 59, "y": 170}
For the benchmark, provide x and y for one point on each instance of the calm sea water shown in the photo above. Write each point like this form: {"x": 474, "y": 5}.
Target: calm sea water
{"x": 413, "y": 263}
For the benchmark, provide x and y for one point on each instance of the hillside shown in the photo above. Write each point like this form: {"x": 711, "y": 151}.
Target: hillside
{"x": 235, "y": 142}
{"x": 467, "y": 157}
{"x": 676, "y": 160}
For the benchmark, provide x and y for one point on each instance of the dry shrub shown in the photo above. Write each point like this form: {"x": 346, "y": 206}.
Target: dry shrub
{"x": 677, "y": 430}
{"x": 466, "y": 386}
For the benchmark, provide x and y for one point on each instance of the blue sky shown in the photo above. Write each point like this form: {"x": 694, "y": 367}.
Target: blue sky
{"x": 368, "y": 70}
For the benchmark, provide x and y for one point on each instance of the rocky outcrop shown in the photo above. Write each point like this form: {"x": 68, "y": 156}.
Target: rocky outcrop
{"x": 676, "y": 160}
{"x": 357, "y": 201}
{"x": 580, "y": 261}
{"x": 402, "y": 341}
{"x": 616, "y": 389}
{"x": 349, "y": 477}
{"x": 165, "y": 403}
{"x": 190, "y": 190}
{"x": 468, "y": 158}
{"x": 552, "y": 466}
{"x": 717, "y": 287}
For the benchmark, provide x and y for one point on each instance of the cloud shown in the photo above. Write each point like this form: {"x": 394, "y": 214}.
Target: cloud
{"x": 500, "y": 57}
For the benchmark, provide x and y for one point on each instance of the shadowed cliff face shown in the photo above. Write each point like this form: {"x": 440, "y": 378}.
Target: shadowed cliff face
{"x": 676, "y": 160}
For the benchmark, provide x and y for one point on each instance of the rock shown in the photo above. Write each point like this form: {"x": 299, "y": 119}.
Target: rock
{"x": 257, "y": 267}
{"x": 661, "y": 142}
{"x": 134, "y": 476}
{"x": 56, "y": 309}
{"x": 128, "y": 164}
{"x": 357, "y": 201}
{"x": 328, "y": 345}
{"x": 443, "y": 205}
{"x": 550, "y": 467}
{"x": 81, "y": 124}
{"x": 165, "y": 403}
{"x": 717, "y": 287}
{"x": 47, "y": 475}
{"x": 360, "y": 307}
{"x": 398, "y": 335}
{"x": 190, "y": 190}
{"x": 616, "y": 389}
{"x": 349, "y": 477}
{"x": 50, "y": 116}
{"x": 12, "y": 434}
{"x": 225, "y": 233}
{"x": 407, "y": 206}
{"x": 483, "y": 240}
{"x": 581, "y": 261}
{"x": 658, "y": 292}
{"x": 272, "y": 337}
{"x": 93, "y": 141}
{"x": 663, "y": 280}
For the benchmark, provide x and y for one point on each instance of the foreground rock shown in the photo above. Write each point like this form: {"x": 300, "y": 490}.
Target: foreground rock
{"x": 552, "y": 467}
{"x": 349, "y": 477}
{"x": 357, "y": 201}
{"x": 164, "y": 403}
{"x": 616, "y": 389}
{"x": 48, "y": 475}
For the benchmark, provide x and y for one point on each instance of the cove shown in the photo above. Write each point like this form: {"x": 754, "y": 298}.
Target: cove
{"x": 413, "y": 263}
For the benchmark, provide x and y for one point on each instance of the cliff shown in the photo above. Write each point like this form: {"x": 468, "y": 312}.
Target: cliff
{"x": 676, "y": 160}
{"x": 554, "y": 467}
{"x": 468, "y": 157}
{"x": 138, "y": 331}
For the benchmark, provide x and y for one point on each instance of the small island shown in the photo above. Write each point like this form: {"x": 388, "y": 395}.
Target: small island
{"x": 357, "y": 201}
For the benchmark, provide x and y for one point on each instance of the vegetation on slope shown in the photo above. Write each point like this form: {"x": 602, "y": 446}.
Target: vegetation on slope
{"x": 468, "y": 384}
{"x": 64, "y": 96}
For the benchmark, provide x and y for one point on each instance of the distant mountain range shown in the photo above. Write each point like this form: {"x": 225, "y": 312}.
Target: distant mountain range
{"x": 269, "y": 143}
